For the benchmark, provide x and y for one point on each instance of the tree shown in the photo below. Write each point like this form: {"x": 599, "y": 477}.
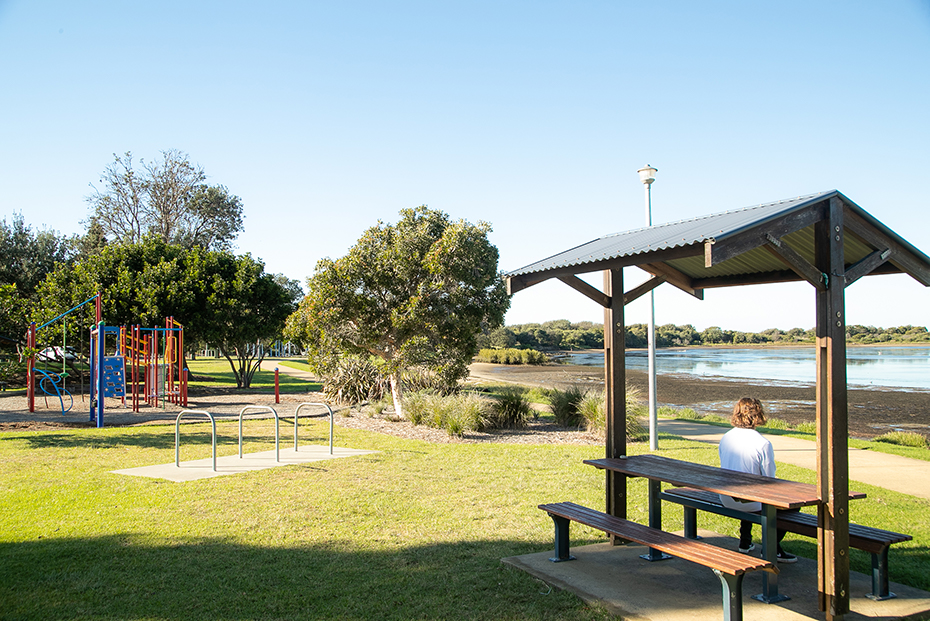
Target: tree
{"x": 167, "y": 198}
{"x": 27, "y": 256}
{"x": 218, "y": 297}
{"x": 413, "y": 294}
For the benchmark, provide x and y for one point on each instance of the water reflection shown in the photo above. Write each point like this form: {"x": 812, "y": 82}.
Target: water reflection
{"x": 893, "y": 367}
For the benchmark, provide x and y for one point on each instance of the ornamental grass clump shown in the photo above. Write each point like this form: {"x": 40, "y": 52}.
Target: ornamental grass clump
{"x": 564, "y": 405}
{"x": 456, "y": 414}
{"x": 903, "y": 438}
{"x": 511, "y": 410}
{"x": 352, "y": 380}
{"x": 594, "y": 412}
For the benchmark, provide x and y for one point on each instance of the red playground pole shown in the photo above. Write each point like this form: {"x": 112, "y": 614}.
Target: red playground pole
{"x": 277, "y": 394}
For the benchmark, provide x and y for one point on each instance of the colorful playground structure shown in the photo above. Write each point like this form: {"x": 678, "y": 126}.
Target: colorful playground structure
{"x": 144, "y": 364}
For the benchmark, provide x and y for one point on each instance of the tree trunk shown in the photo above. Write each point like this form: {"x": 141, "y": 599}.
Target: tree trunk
{"x": 397, "y": 393}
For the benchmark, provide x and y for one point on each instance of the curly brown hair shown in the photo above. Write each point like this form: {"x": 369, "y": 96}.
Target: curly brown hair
{"x": 748, "y": 413}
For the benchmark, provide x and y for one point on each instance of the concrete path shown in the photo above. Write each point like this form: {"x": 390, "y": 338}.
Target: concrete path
{"x": 900, "y": 474}
{"x": 271, "y": 365}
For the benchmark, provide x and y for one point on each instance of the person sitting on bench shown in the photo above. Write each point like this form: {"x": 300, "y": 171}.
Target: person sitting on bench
{"x": 744, "y": 449}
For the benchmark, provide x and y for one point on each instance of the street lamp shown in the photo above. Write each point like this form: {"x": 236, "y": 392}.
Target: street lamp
{"x": 647, "y": 175}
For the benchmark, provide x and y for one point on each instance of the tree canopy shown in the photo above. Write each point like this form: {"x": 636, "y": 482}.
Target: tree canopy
{"x": 220, "y": 298}
{"x": 167, "y": 198}
{"x": 412, "y": 294}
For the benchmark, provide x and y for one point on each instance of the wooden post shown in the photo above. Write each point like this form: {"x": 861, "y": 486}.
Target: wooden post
{"x": 832, "y": 419}
{"x": 615, "y": 389}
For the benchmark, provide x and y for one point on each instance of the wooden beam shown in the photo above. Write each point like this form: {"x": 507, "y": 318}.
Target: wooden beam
{"x": 646, "y": 287}
{"x": 524, "y": 281}
{"x": 867, "y": 265}
{"x": 615, "y": 391}
{"x": 582, "y": 287}
{"x": 901, "y": 256}
{"x": 717, "y": 251}
{"x": 832, "y": 420}
{"x": 796, "y": 262}
{"x": 674, "y": 277}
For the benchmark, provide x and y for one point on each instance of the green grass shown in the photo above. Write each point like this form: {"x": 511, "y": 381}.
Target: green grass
{"x": 904, "y": 445}
{"x": 217, "y": 373}
{"x": 415, "y": 531}
{"x": 294, "y": 363}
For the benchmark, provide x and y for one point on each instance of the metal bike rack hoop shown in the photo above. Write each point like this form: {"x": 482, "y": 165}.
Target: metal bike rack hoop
{"x": 277, "y": 428}
{"x": 331, "y": 418}
{"x": 177, "y": 435}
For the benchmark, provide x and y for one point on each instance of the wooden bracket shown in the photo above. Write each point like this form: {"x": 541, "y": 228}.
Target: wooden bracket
{"x": 798, "y": 264}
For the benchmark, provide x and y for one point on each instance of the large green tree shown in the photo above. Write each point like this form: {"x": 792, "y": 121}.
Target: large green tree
{"x": 412, "y": 294}
{"x": 219, "y": 297}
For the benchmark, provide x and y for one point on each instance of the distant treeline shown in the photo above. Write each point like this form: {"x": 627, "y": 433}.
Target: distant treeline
{"x": 563, "y": 334}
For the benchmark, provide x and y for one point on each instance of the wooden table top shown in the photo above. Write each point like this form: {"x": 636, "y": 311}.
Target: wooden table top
{"x": 780, "y": 493}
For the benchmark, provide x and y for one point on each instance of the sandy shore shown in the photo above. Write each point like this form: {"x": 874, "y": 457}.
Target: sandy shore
{"x": 871, "y": 412}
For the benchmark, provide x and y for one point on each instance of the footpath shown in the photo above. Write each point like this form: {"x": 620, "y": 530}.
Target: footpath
{"x": 900, "y": 474}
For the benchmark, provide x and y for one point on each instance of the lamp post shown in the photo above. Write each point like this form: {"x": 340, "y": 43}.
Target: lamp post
{"x": 647, "y": 175}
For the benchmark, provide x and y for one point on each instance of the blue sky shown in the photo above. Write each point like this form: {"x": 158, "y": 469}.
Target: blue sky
{"x": 325, "y": 117}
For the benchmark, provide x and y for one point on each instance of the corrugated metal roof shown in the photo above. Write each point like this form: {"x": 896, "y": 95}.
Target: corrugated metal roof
{"x": 670, "y": 235}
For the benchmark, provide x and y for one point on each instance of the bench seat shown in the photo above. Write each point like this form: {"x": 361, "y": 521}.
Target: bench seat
{"x": 729, "y": 566}
{"x": 872, "y": 540}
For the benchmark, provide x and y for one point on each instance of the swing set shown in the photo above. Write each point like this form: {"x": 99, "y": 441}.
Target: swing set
{"x": 155, "y": 373}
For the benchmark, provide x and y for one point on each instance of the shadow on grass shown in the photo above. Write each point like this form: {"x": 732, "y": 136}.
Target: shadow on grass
{"x": 906, "y": 563}
{"x": 125, "y": 577}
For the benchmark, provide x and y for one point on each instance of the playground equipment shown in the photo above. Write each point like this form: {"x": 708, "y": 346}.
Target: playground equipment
{"x": 52, "y": 384}
{"x": 156, "y": 371}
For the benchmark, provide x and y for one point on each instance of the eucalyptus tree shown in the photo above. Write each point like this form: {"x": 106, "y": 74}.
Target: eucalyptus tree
{"x": 412, "y": 294}
{"x": 168, "y": 198}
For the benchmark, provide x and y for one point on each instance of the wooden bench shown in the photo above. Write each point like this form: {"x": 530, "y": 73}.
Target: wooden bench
{"x": 872, "y": 540}
{"x": 729, "y": 566}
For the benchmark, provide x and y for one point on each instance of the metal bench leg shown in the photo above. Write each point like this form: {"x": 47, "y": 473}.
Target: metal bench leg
{"x": 690, "y": 522}
{"x": 732, "y": 596}
{"x": 655, "y": 519}
{"x": 880, "y": 576}
{"x": 561, "y": 539}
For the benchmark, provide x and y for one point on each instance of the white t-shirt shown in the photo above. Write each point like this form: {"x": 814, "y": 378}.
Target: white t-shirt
{"x": 745, "y": 450}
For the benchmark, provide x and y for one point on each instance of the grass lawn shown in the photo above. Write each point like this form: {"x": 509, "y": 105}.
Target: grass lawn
{"x": 415, "y": 531}
{"x": 212, "y": 372}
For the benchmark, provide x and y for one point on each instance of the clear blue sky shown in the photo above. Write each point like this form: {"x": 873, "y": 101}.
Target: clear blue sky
{"x": 325, "y": 117}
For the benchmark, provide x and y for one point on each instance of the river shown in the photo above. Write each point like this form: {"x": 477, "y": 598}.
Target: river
{"x": 885, "y": 366}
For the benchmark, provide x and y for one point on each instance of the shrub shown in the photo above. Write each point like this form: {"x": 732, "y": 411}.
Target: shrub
{"x": 352, "y": 380}
{"x": 454, "y": 413}
{"x": 511, "y": 355}
{"x": 777, "y": 423}
{"x": 469, "y": 413}
{"x": 564, "y": 406}
{"x": 903, "y": 438}
{"x": 687, "y": 414}
{"x": 593, "y": 410}
{"x": 807, "y": 428}
{"x": 510, "y": 410}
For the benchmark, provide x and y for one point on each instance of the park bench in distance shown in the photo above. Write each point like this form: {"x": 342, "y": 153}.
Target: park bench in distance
{"x": 872, "y": 540}
{"x": 728, "y": 565}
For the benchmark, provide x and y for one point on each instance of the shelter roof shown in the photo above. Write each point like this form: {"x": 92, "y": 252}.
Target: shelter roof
{"x": 772, "y": 242}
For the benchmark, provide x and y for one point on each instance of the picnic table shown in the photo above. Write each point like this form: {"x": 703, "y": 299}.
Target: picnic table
{"x": 774, "y": 494}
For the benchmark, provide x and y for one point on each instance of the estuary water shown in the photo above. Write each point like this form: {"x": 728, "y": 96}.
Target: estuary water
{"x": 886, "y": 367}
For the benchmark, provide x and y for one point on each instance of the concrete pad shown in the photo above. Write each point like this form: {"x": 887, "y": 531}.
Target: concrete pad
{"x": 677, "y": 590}
{"x": 232, "y": 464}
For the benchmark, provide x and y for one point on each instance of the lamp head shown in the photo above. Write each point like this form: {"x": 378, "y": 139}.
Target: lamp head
{"x": 647, "y": 174}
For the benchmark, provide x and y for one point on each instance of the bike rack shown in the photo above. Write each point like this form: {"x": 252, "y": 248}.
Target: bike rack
{"x": 277, "y": 429}
{"x": 177, "y": 435}
{"x": 331, "y": 417}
